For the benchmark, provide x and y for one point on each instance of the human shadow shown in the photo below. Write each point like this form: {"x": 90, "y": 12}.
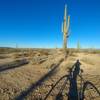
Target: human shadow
{"x": 72, "y": 78}
{"x": 73, "y": 90}
{"x": 13, "y": 65}
{"x": 39, "y": 82}
{"x": 74, "y": 94}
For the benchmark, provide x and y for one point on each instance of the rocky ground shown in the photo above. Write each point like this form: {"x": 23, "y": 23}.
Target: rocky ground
{"x": 33, "y": 80}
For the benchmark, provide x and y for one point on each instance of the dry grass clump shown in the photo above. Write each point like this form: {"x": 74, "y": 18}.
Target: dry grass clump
{"x": 3, "y": 56}
{"x": 17, "y": 55}
{"x": 20, "y": 55}
{"x": 46, "y": 52}
{"x": 70, "y": 53}
{"x": 87, "y": 60}
{"x": 43, "y": 52}
{"x": 30, "y": 53}
{"x": 38, "y": 59}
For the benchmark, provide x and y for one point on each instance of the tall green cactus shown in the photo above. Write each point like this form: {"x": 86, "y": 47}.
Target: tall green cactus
{"x": 65, "y": 28}
{"x": 78, "y": 45}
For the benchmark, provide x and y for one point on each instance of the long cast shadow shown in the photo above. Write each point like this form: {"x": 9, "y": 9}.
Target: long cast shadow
{"x": 72, "y": 77}
{"x": 73, "y": 93}
{"x": 86, "y": 86}
{"x": 73, "y": 90}
{"x": 39, "y": 82}
{"x": 13, "y": 65}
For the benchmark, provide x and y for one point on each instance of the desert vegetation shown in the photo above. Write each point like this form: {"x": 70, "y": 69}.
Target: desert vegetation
{"x": 30, "y": 73}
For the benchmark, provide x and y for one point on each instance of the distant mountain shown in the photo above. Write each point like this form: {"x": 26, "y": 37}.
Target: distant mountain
{"x": 6, "y": 48}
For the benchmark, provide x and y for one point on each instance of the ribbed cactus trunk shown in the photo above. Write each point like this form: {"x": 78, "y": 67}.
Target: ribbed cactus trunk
{"x": 64, "y": 42}
{"x": 65, "y": 28}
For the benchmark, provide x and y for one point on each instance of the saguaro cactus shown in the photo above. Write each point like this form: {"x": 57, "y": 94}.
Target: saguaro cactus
{"x": 78, "y": 45}
{"x": 65, "y": 28}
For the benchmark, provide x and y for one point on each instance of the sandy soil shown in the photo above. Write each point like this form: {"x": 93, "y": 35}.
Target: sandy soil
{"x": 33, "y": 81}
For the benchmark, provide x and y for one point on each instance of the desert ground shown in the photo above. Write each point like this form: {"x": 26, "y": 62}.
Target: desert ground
{"x": 29, "y": 75}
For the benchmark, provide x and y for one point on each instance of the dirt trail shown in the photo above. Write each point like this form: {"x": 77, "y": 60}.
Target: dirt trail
{"x": 41, "y": 91}
{"x": 33, "y": 81}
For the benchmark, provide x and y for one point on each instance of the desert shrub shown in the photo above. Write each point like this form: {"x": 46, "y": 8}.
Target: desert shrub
{"x": 30, "y": 53}
{"x": 44, "y": 52}
{"x": 38, "y": 59}
{"x": 16, "y": 55}
{"x": 87, "y": 60}
{"x": 3, "y": 56}
{"x": 5, "y": 50}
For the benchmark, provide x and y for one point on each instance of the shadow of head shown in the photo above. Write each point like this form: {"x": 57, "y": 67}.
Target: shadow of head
{"x": 59, "y": 97}
{"x": 75, "y": 69}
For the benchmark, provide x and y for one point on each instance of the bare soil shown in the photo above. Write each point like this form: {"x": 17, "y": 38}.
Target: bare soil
{"x": 33, "y": 81}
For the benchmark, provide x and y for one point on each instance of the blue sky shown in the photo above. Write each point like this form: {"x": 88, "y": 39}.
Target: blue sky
{"x": 37, "y": 23}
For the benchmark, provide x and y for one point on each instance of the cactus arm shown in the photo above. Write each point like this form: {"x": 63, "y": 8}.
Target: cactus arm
{"x": 62, "y": 28}
{"x": 68, "y": 23}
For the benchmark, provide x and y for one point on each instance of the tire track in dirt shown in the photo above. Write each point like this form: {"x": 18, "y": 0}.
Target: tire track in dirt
{"x": 40, "y": 82}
